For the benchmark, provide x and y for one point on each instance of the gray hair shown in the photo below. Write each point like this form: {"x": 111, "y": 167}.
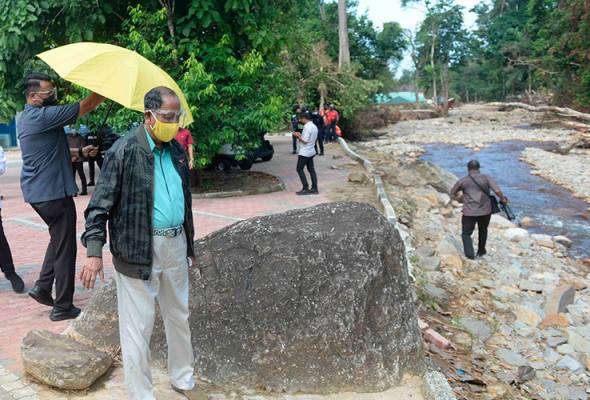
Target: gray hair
{"x": 153, "y": 99}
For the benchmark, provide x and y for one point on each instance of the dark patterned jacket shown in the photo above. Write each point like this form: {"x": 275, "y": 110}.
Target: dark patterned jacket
{"x": 124, "y": 198}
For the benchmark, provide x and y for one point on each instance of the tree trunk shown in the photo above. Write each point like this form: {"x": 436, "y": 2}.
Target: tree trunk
{"x": 432, "y": 65}
{"x": 344, "y": 53}
{"x": 169, "y": 6}
{"x": 322, "y": 11}
{"x": 445, "y": 94}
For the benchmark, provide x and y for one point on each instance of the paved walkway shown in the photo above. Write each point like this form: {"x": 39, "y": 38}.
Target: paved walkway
{"x": 28, "y": 237}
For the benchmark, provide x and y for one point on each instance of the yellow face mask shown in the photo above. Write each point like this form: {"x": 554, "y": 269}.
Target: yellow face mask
{"x": 164, "y": 131}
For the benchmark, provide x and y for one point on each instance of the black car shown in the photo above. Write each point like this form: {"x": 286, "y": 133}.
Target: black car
{"x": 226, "y": 157}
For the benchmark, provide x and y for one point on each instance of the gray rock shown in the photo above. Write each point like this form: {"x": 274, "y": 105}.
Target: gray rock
{"x": 476, "y": 327}
{"x": 358, "y": 177}
{"x": 438, "y": 294}
{"x": 449, "y": 245}
{"x": 563, "y": 241}
{"x": 511, "y": 357}
{"x": 312, "y": 300}
{"x": 570, "y": 363}
{"x": 436, "y": 387}
{"x": 430, "y": 263}
{"x": 559, "y": 299}
{"x": 551, "y": 356}
{"x": 555, "y": 341}
{"x": 60, "y": 361}
{"x": 424, "y": 251}
{"x": 565, "y": 349}
{"x": 516, "y": 234}
{"x": 571, "y": 392}
{"x": 578, "y": 339}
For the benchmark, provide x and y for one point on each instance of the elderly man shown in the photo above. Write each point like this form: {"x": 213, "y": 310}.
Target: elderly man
{"x": 144, "y": 194}
{"x": 48, "y": 185}
{"x": 477, "y": 207}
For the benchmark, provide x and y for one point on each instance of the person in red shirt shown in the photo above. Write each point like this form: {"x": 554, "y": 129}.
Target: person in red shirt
{"x": 185, "y": 138}
{"x": 331, "y": 119}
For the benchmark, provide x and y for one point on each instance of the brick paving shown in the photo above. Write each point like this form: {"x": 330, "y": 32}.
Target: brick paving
{"x": 28, "y": 239}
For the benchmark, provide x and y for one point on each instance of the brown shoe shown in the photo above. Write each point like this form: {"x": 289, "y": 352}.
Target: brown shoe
{"x": 192, "y": 394}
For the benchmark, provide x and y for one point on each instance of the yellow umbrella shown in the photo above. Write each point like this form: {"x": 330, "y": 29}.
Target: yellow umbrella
{"x": 118, "y": 74}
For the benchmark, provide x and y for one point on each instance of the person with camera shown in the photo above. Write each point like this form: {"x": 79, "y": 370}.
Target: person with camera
{"x": 306, "y": 153}
{"x": 6, "y": 262}
{"x": 48, "y": 186}
{"x": 477, "y": 207}
{"x": 318, "y": 121}
{"x": 75, "y": 140}
{"x": 295, "y": 127}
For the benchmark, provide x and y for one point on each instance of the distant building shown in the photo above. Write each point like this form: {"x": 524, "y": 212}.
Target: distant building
{"x": 396, "y": 98}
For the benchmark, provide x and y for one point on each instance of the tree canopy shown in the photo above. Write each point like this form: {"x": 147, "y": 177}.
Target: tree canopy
{"x": 241, "y": 64}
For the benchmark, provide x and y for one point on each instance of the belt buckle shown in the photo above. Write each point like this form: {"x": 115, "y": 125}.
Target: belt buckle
{"x": 170, "y": 233}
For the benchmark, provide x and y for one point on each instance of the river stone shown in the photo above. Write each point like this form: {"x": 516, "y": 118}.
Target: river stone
{"x": 516, "y": 234}
{"x": 313, "y": 300}
{"x": 60, "y": 361}
{"x": 559, "y": 299}
{"x": 430, "y": 263}
{"x": 510, "y": 357}
{"x": 529, "y": 314}
{"x": 476, "y": 327}
{"x": 438, "y": 294}
{"x": 421, "y": 173}
{"x": 498, "y": 221}
{"x": 563, "y": 240}
{"x": 543, "y": 240}
{"x": 570, "y": 363}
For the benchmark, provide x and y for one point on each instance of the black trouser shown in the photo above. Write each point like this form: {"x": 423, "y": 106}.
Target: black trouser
{"x": 468, "y": 226}
{"x": 91, "y": 161}
{"x": 6, "y": 263}
{"x": 307, "y": 162}
{"x": 320, "y": 142}
{"x": 60, "y": 258}
{"x": 78, "y": 166}
{"x": 331, "y": 132}
{"x": 294, "y": 144}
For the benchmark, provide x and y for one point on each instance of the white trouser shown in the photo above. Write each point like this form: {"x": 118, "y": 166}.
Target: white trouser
{"x": 137, "y": 309}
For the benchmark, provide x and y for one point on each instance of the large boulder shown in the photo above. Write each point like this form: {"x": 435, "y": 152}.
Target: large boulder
{"x": 313, "y": 300}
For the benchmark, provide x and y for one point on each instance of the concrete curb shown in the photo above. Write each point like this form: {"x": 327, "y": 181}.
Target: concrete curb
{"x": 236, "y": 193}
{"x": 383, "y": 199}
{"x": 436, "y": 386}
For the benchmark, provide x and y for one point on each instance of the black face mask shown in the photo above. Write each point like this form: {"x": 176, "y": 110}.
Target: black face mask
{"x": 50, "y": 101}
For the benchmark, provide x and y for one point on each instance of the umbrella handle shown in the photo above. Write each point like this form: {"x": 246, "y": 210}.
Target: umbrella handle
{"x": 106, "y": 117}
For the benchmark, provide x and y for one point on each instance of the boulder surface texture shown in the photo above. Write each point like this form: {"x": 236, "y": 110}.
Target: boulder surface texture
{"x": 57, "y": 360}
{"x": 314, "y": 300}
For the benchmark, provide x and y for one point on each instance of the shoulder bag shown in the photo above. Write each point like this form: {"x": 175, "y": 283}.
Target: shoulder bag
{"x": 493, "y": 199}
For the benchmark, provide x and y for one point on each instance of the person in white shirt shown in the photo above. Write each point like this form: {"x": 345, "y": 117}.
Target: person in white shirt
{"x": 6, "y": 263}
{"x": 306, "y": 153}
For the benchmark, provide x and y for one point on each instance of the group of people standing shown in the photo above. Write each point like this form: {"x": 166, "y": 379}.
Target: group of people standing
{"x": 144, "y": 196}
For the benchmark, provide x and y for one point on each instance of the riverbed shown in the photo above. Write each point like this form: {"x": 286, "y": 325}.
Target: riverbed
{"x": 555, "y": 210}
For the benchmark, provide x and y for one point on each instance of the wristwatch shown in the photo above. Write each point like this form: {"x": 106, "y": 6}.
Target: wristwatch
{"x": 80, "y": 153}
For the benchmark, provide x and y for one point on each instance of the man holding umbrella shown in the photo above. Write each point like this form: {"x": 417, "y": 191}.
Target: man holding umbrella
{"x": 144, "y": 194}
{"x": 48, "y": 185}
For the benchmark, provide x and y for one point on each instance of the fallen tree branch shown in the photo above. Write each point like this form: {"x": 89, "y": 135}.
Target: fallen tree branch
{"x": 561, "y": 111}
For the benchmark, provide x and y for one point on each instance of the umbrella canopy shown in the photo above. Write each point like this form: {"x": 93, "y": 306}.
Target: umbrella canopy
{"x": 114, "y": 72}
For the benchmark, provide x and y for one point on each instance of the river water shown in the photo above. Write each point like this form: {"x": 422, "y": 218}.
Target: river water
{"x": 553, "y": 207}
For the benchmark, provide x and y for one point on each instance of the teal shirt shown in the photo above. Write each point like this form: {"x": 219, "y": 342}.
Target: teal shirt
{"x": 168, "y": 193}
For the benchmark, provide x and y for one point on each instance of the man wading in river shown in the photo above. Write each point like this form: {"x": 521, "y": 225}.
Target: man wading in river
{"x": 477, "y": 207}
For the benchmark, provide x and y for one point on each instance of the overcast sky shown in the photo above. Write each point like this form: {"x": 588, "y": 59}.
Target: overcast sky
{"x": 381, "y": 11}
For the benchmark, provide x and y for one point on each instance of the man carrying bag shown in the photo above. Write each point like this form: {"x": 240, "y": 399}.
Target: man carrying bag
{"x": 478, "y": 207}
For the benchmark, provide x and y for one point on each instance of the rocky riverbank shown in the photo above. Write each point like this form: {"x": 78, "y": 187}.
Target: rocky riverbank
{"x": 518, "y": 319}
{"x": 475, "y": 126}
{"x": 570, "y": 171}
